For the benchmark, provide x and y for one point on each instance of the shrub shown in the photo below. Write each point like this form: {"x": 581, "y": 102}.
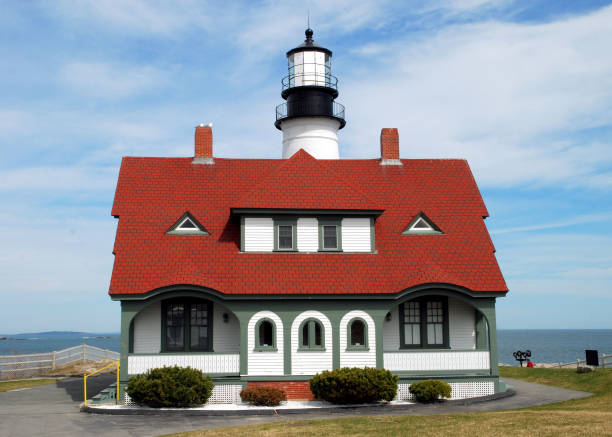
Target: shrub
{"x": 170, "y": 387}
{"x": 354, "y": 385}
{"x": 267, "y": 396}
{"x": 430, "y": 390}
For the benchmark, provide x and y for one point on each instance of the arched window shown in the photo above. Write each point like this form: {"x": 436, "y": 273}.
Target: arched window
{"x": 312, "y": 335}
{"x": 357, "y": 334}
{"x": 265, "y": 335}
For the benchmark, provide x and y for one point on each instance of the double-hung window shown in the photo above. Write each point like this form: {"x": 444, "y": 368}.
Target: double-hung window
{"x": 285, "y": 235}
{"x": 186, "y": 326}
{"x": 330, "y": 235}
{"x": 424, "y": 323}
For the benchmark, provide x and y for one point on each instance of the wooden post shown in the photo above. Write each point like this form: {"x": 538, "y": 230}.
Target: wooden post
{"x": 53, "y": 361}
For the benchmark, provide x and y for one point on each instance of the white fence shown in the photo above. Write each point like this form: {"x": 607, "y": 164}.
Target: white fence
{"x": 604, "y": 361}
{"x": 23, "y": 366}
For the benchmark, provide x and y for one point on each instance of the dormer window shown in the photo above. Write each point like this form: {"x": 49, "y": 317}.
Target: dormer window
{"x": 285, "y": 235}
{"x": 187, "y": 225}
{"x": 330, "y": 235}
{"x": 421, "y": 224}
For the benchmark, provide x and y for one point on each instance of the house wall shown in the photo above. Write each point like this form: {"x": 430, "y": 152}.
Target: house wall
{"x": 226, "y": 336}
{"x": 147, "y": 330}
{"x": 258, "y": 234}
{"x": 391, "y": 336}
{"x": 357, "y": 358}
{"x": 356, "y": 234}
{"x": 310, "y": 362}
{"x": 307, "y": 234}
{"x": 265, "y": 363}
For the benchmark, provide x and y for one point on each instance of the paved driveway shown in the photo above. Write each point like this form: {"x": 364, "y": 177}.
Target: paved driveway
{"x": 53, "y": 410}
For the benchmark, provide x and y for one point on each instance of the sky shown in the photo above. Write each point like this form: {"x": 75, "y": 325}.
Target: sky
{"x": 522, "y": 90}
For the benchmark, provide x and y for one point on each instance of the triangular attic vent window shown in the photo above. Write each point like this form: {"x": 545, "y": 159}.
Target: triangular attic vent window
{"x": 187, "y": 225}
{"x": 421, "y": 225}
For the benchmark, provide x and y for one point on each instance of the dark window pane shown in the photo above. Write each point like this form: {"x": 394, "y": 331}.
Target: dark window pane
{"x": 199, "y": 326}
{"x": 357, "y": 333}
{"x": 317, "y": 329}
{"x": 305, "y": 335}
{"x": 285, "y": 237}
{"x": 175, "y": 324}
{"x": 265, "y": 334}
{"x": 187, "y": 224}
{"x": 330, "y": 237}
{"x": 421, "y": 224}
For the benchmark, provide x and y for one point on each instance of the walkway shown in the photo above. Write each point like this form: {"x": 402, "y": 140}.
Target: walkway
{"x": 53, "y": 410}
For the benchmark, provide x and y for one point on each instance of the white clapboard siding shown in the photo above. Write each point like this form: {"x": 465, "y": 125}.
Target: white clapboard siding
{"x": 356, "y": 234}
{"x": 357, "y": 358}
{"x": 306, "y": 362}
{"x": 431, "y": 361}
{"x": 265, "y": 363}
{"x": 461, "y": 325}
{"x": 147, "y": 330}
{"x": 207, "y": 363}
{"x": 258, "y": 234}
{"x": 226, "y": 336}
{"x": 307, "y": 234}
{"x": 391, "y": 333}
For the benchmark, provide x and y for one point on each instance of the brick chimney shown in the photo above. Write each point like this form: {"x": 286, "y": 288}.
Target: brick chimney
{"x": 389, "y": 147}
{"x": 203, "y": 145}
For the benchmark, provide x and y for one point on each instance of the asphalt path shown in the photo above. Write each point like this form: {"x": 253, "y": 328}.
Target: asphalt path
{"x": 53, "y": 410}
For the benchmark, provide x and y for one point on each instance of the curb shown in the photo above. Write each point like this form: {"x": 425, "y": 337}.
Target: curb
{"x": 139, "y": 411}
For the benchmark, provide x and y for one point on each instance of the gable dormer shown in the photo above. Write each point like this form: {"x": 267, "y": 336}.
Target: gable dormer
{"x": 187, "y": 225}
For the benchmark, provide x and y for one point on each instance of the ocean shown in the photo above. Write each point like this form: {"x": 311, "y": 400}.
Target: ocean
{"x": 546, "y": 345}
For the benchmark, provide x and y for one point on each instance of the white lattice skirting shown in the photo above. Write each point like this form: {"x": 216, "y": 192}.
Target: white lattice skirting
{"x": 222, "y": 394}
{"x": 460, "y": 390}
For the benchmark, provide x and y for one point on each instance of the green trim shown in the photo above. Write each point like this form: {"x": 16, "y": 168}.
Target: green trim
{"x": 242, "y": 234}
{"x": 306, "y": 212}
{"x": 449, "y": 378}
{"x": 131, "y": 338}
{"x": 265, "y": 348}
{"x": 481, "y": 331}
{"x": 328, "y": 221}
{"x": 372, "y": 237}
{"x": 425, "y": 351}
{"x": 186, "y": 325}
{"x": 433, "y": 288}
{"x": 285, "y": 222}
{"x": 201, "y": 230}
{"x": 439, "y": 373}
{"x": 311, "y": 321}
{"x": 287, "y": 318}
{"x": 274, "y": 378}
{"x": 423, "y": 324}
{"x": 357, "y": 348}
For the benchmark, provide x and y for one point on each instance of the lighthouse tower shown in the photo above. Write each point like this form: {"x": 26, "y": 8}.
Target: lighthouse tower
{"x": 310, "y": 118}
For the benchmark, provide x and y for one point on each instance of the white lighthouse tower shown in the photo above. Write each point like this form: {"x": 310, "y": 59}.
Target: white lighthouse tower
{"x": 310, "y": 118}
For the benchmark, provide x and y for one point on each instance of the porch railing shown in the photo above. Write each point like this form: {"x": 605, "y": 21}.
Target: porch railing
{"x": 207, "y": 363}
{"x": 408, "y": 361}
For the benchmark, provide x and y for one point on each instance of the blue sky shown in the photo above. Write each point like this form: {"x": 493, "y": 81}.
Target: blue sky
{"x": 523, "y": 90}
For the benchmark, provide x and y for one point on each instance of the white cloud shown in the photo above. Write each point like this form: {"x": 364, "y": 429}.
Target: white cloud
{"x": 103, "y": 80}
{"x": 578, "y": 220}
{"x": 56, "y": 179}
{"x": 499, "y": 94}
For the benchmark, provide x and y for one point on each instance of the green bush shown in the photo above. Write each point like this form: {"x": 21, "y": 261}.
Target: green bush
{"x": 430, "y": 390}
{"x": 267, "y": 396}
{"x": 354, "y": 385}
{"x": 170, "y": 387}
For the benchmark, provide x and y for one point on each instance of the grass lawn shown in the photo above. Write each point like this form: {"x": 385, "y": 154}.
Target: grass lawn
{"x": 583, "y": 417}
{"x": 24, "y": 383}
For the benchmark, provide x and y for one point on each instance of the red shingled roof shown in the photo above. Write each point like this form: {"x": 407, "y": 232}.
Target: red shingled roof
{"x": 152, "y": 193}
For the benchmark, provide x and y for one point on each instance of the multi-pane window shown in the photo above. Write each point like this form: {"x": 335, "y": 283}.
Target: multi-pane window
{"x": 311, "y": 333}
{"x": 424, "y": 323}
{"x": 187, "y": 326}
{"x": 330, "y": 237}
{"x": 412, "y": 323}
{"x": 285, "y": 237}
